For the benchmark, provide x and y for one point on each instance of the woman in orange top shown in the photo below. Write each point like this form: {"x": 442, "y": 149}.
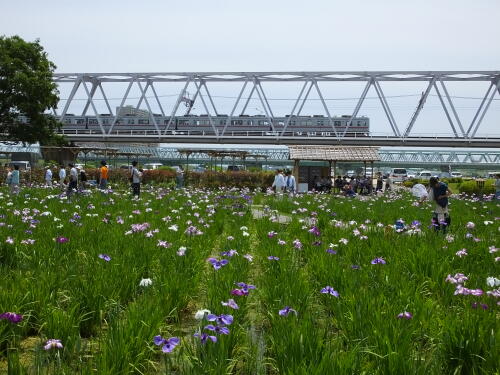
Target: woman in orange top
{"x": 103, "y": 175}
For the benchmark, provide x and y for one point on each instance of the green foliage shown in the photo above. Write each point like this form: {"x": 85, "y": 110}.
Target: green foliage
{"x": 26, "y": 88}
{"x": 473, "y": 187}
{"x": 106, "y": 320}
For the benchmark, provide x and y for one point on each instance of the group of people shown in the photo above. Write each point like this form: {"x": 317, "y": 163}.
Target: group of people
{"x": 75, "y": 179}
{"x": 284, "y": 183}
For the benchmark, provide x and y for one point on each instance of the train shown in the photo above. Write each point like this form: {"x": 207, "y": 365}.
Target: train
{"x": 360, "y": 126}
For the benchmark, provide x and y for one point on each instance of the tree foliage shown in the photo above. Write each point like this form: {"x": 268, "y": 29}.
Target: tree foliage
{"x": 26, "y": 88}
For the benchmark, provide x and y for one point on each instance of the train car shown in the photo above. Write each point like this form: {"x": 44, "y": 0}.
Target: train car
{"x": 316, "y": 125}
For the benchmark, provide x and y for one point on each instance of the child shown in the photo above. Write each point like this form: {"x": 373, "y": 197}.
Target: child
{"x": 439, "y": 193}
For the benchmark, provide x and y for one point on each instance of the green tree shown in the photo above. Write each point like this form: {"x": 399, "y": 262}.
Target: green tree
{"x": 26, "y": 88}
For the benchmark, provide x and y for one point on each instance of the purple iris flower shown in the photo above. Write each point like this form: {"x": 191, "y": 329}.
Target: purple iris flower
{"x": 484, "y": 306}
{"x": 168, "y": 344}
{"x": 331, "y": 251}
{"x": 12, "y": 317}
{"x": 245, "y": 288}
{"x": 62, "y": 239}
{"x": 217, "y": 264}
{"x": 221, "y": 330}
{"x": 229, "y": 253}
{"x": 272, "y": 257}
{"x": 204, "y": 337}
{"x": 231, "y": 303}
{"x": 355, "y": 267}
{"x": 220, "y": 319}
{"x": 105, "y": 257}
{"x": 315, "y": 230}
{"x": 416, "y": 223}
{"x": 329, "y": 290}
{"x": 317, "y": 243}
{"x": 378, "y": 261}
{"x": 405, "y": 315}
{"x": 286, "y": 311}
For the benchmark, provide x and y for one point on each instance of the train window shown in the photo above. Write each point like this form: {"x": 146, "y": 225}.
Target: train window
{"x": 320, "y": 123}
{"x": 105, "y": 122}
{"x": 361, "y": 123}
{"x": 237, "y": 122}
{"x": 250, "y": 122}
{"x": 67, "y": 121}
{"x": 337, "y": 123}
{"x": 80, "y": 121}
{"x": 292, "y": 122}
{"x": 93, "y": 122}
{"x": 131, "y": 121}
{"x": 143, "y": 122}
{"x": 222, "y": 122}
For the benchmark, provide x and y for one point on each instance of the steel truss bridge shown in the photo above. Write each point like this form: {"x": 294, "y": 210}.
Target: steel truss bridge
{"x": 461, "y": 134}
{"x": 402, "y": 157}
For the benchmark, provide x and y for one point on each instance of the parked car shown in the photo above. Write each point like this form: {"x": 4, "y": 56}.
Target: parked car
{"x": 398, "y": 174}
{"x": 23, "y": 165}
{"x": 424, "y": 175}
{"x": 456, "y": 175}
{"x": 152, "y": 166}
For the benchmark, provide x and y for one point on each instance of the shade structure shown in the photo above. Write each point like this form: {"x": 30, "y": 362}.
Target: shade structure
{"x": 334, "y": 153}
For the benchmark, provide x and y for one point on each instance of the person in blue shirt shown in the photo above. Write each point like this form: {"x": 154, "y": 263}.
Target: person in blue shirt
{"x": 14, "y": 180}
{"x": 439, "y": 193}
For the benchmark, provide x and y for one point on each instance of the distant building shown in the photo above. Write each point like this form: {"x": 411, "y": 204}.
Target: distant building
{"x": 130, "y": 110}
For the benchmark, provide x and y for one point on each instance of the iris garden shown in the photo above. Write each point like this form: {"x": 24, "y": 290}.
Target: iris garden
{"x": 239, "y": 282}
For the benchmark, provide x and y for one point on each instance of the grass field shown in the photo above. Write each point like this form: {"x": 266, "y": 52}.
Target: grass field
{"x": 307, "y": 285}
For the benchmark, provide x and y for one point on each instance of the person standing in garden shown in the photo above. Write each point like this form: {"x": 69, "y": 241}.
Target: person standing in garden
{"x": 439, "y": 193}
{"x": 73, "y": 181}
{"x": 279, "y": 181}
{"x": 135, "y": 179}
{"x": 179, "y": 178}
{"x": 62, "y": 176}
{"x": 497, "y": 186}
{"x": 103, "y": 175}
{"x": 48, "y": 176}
{"x": 291, "y": 185}
{"x": 14, "y": 180}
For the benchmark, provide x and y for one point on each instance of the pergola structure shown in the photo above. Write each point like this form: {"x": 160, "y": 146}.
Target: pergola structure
{"x": 215, "y": 154}
{"x": 333, "y": 154}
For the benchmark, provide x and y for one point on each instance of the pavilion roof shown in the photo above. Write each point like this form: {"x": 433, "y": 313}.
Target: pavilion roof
{"x": 334, "y": 153}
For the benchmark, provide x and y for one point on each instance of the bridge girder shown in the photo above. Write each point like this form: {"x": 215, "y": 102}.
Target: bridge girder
{"x": 397, "y": 135}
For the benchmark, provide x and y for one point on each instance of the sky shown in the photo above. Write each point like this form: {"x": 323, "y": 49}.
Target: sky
{"x": 275, "y": 35}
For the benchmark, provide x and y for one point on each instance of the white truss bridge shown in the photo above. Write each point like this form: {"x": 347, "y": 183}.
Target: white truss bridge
{"x": 485, "y": 159}
{"x": 460, "y": 133}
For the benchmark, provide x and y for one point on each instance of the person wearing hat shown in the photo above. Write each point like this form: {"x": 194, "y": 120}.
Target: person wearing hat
{"x": 103, "y": 175}
{"x": 439, "y": 193}
{"x": 48, "y": 176}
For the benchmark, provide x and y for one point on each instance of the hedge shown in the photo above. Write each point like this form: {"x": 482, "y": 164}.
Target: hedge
{"x": 252, "y": 180}
{"x": 471, "y": 187}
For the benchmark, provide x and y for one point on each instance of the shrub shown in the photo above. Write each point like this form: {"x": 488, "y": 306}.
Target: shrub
{"x": 471, "y": 187}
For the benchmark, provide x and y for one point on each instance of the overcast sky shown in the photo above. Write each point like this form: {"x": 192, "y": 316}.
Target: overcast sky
{"x": 272, "y": 35}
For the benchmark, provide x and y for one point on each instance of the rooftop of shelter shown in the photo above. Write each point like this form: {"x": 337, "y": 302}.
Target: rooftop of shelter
{"x": 334, "y": 153}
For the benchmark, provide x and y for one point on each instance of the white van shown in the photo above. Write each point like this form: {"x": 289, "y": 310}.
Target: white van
{"x": 398, "y": 174}
{"x": 152, "y": 166}
{"x": 23, "y": 165}
{"x": 424, "y": 175}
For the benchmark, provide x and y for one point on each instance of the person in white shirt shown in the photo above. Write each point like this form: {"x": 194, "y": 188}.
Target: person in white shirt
{"x": 290, "y": 183}
{"x": 279, "y": 181}
{"x": 62, "y": 176}
{"x": 135, "y": 179}
{"x": 48, "y": 177}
